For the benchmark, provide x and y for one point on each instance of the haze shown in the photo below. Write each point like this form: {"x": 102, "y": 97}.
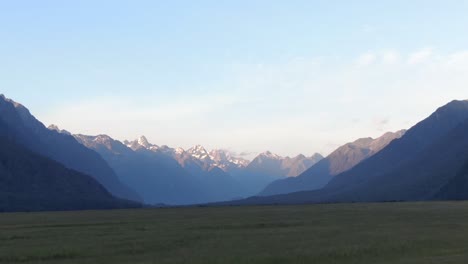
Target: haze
{"x": 287, "y": 76}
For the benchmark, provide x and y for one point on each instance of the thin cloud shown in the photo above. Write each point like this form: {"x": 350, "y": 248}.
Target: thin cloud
{"x": 300, "y": 106}
{"x": 366, "y": 59}
{"x": 381, "y": 124}
{"x": 131, "y": 108}
{"x": 391, "y": 57}
{"x": 420, "y": 56}
{"x": 458, "y": 60}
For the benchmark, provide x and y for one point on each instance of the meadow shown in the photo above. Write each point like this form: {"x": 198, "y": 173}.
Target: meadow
{"x": 432, "y": 232}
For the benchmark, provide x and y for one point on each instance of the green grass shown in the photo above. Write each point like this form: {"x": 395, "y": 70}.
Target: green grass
{"x": 337, "y": 233}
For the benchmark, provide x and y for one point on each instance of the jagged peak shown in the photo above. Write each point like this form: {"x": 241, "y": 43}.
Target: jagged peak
{"x": 197, "y": 148}
{"x": 317, "y": 156}
{"x": 300, "y": 156}
{"x": 400, "y": 132}
{"x": 103, "y": 136}
{"x": 269, "y": 154}
{"x": 143, "y": 141}
{"x": 453, "y": 106}
{"x": 21, "y": 109}
{"x": 99, "y": 138}
{"x": 369, "y": 140}
{"x": 53, "y": 127}
{"x": 139, "y": 143}
{"x": 15, "y": 104}
{"x": 4, "y": 98}
{"x": 179, "y": 150}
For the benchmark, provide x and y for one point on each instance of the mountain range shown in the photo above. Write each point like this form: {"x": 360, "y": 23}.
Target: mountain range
{"x": 52, "y": 169}
{"x": 162, "y": 174}
{"x": 27, "y": 131}
{"x": 33, "y": 178}
{"x": 339, "y": 161}
{"x": 30, "y": 182}
{"x": 429, "y": 162}
{"x": 156, "y": 177}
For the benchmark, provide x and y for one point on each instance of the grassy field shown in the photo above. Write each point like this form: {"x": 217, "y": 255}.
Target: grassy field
{"x": 343, "y": 233}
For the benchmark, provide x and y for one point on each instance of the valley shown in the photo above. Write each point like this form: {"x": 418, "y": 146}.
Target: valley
{"x": 232, "y": 132}
{"x": 426, "y": 232}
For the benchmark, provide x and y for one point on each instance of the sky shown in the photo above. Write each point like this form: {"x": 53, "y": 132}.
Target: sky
{"x": 297, "y": 76}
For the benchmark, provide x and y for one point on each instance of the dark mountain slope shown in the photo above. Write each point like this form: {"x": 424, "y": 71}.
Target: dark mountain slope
{"x": 29, "y": 182}
{"x": 275, "y": 166}
{"x": 407, "y": 148}
{"x": 456, "y": 188}
{"x": 157, "y": 177}
{"x": 415, "y": 167}
{"x": 419, "y": 178}
{"x": 268, "y": 167}
{"x": 27, "y": 131}
{"x": 221, "y": 185}
{"x": 342, "y": 159}
{"x": 300, "y": 164}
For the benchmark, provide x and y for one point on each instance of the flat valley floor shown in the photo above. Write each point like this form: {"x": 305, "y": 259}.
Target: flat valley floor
{"x": 433, "y": 232}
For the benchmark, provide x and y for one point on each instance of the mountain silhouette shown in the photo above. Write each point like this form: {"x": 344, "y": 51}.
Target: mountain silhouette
{"x": 340, "y": 160}
{"x": 159, "y": 178}
{"x": 427, "y": 163}
{"x": 30, "y": 182}
{"x": 27, "y": 131}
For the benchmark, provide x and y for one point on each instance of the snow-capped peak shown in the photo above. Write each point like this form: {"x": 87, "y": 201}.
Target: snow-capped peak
{"x": 225, "y": 158}
{"x": 139, "y": 143}
{"x": 102, "y": 138}
{"x": 197, "y": 148}
{"x": 142, "y": 141}
{"x": 198, "y": 152}
{"x": 270, "y": 155}
{"x": 179, "y": 150}
{"x": 219, "y": 155}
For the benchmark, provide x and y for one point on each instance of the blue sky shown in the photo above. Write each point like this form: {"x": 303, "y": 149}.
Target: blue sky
{"x": 287, "y": 76}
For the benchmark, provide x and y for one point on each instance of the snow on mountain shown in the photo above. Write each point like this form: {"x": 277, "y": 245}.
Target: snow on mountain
{"x": 268, "y": 163}
{"x": 99, "y": 141}
{"x": 270, "y": 155}
{"x": 141, "y": 143}
{"x": 227, "y": 160}
{"x": 179, "y": 151}
{"x": 222, "y": 159}
{"x": 199, "y": 152}
{"x": 56, "y": 128}
{"x": 216, "y": 158}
